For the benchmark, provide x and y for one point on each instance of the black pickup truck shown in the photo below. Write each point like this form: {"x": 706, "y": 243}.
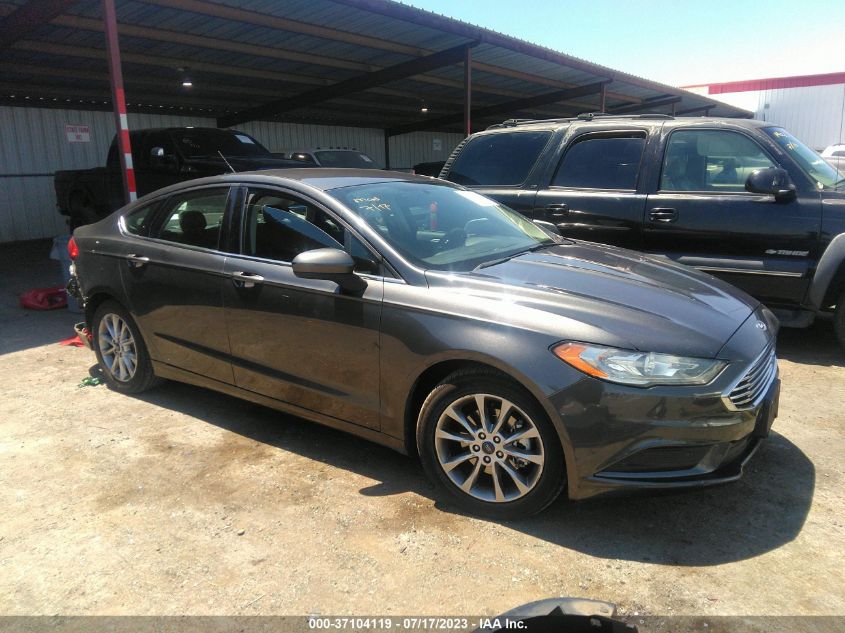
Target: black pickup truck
{"x": 161, "y": 157}
{"x": 740, "y": 199}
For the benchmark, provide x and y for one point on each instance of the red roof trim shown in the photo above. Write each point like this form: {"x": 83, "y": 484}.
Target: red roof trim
{"x": 801, "y": 81}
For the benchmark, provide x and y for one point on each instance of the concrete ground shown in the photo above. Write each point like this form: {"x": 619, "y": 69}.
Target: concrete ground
{"x": 185, "y": 501}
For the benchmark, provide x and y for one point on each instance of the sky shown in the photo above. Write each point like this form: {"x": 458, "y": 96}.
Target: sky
{"x": 685, "y": 42}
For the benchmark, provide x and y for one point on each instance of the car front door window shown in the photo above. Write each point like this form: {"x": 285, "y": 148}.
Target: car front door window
{"x": 280, "y": 227}
{"x": 719, "y": 161}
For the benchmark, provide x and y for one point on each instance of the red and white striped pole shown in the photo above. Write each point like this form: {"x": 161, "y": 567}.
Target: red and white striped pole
{"x": 119, "y": 100}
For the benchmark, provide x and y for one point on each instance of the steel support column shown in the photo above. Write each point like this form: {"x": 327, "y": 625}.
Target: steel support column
{"x": 119, "y": 101}
{"x": 603, "y": 98}
{"x": 386, "y": 150}
{"x": 468, "y": 92}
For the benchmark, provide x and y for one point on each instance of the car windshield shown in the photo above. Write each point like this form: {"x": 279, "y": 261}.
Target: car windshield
{"x": 344, "y": 158}
{"x": 438, "y": 227}
{"x": 816, "y": 167}
{"x": 205, "y": 143}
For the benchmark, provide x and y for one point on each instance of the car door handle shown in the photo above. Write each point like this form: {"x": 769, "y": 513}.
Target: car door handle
{"x": 136, "y": 261}
{"x": 246, "y": 280}
{"x": 663, "y": 214}
{"x": 556, "y": 211}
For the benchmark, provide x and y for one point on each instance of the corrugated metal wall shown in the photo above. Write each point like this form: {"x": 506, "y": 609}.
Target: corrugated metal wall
{"x": 33, "y": 145}
{"x": 421, "y": 147}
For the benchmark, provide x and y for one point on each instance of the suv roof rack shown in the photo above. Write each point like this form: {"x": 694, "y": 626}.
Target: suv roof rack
{"x": 584, "y": 116}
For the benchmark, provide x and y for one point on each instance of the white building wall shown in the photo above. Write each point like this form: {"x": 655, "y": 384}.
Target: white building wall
{"x": 815, "y": 114}
{"x": 33, "y": 145}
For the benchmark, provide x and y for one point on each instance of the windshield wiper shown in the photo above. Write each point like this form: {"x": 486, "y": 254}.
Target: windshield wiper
{"x": 500, "y": 260}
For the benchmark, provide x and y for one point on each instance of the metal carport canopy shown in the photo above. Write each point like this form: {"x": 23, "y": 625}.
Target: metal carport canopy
{"x": 367, "y": 63}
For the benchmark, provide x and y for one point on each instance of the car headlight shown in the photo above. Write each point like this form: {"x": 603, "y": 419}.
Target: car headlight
{"x": 641, "y": 369}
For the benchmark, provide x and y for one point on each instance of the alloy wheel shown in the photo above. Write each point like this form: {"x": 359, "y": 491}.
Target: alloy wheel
{"x": 489, "y": 448}
{"x": 117, "y": 347}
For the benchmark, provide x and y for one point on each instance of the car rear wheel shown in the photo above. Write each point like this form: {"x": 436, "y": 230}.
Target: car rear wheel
{"x": 490, "y": 446}
{"x": 121, "y": 351}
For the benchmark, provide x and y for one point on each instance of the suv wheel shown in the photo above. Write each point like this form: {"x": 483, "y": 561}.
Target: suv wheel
{"x": 486, "y": 443}
{"x": 120, "y": 350}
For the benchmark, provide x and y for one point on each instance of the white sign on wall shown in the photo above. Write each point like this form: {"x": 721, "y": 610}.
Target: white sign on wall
{"x": 437, "y": 144}
{"x": 78, "y": 133}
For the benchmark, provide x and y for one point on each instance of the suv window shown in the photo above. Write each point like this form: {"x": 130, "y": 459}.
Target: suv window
{"x": 498, "y": 159}
{"x": 194, "y": 218}
{"x": 602, "y": 162}
{"x": 280, "y": 227}
{"x": 710, "y": 160}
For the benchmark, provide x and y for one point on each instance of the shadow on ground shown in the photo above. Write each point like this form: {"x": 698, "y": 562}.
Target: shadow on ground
{"x": 761, "y": 512}
{"x": 815, "y": 345}
{"x": 25, "y": 266}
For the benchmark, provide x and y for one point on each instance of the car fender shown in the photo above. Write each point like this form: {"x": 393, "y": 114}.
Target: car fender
{"x": 531, "y": 384}
{"x": 828, "y": 266}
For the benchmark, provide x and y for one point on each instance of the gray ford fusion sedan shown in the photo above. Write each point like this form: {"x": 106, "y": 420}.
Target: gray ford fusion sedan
{"x": 515, "y": 362}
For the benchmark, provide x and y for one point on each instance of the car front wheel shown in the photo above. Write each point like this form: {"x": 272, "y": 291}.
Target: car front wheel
{"x": 120, "y": 350}
{"x": 490, "y": 446}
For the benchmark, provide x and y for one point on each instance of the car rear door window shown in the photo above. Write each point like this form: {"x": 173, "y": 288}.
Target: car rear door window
{"x": 137, "y": 221}
{"x": 602, "y": 162}
{"x": 194, "y": 218}
{"x": 710, "y": 160}
{"x": 502, "y": 159}
{"x": 280, "y": 227}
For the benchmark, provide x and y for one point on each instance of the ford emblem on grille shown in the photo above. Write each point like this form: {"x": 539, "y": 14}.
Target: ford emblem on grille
{"x": 761, "y": 326}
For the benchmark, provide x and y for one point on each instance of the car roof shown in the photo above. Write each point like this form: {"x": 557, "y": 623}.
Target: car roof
{"x": 320, "y": 178}
{"x": 637, "y": 119}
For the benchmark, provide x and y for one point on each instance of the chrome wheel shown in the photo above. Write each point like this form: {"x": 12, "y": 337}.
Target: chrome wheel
{"x": 489, "y": 448}
{"x": 117, "y": 347}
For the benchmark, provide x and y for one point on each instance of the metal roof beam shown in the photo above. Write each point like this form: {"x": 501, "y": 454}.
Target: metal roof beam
{"x": 356, "y": 84}
{"x": 28, "y": 17}
{"x": 507, "y": 107}
{"x": 64, "y": 50}
{"x": 637, "y": 107}
{"x": 336, "y": 35}
{"x": 163, "y": 35}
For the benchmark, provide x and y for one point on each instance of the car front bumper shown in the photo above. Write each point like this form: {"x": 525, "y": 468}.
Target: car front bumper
{"x": 624, "y": 438}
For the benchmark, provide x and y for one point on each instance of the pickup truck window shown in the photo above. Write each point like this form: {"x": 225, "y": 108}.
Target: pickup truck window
{"x": 194, "y": 218}
{"x": 710, "y": 160}
{"x": 602, "y": 162}
{"x": 205, "y": 143}
{"x": 498, "y": 159}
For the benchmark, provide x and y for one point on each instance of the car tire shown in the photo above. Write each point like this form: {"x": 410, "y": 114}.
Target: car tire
{"x": 121, "y": 351}
{"x": 839, "y": 319}
{"x": 507, "y": 468}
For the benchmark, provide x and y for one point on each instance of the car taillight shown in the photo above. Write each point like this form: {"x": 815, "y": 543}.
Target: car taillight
{"x": 72, "y": 249}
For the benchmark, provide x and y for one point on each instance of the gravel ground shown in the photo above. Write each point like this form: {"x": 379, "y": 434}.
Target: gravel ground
{"x": 185, "y": 501}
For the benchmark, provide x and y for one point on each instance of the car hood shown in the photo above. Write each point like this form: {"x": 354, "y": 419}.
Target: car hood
{"x": 602, "y": 294}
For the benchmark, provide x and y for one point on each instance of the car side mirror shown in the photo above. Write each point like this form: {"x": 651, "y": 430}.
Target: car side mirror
{"x": 772, "y": 181}
{"x": 158, "y": 158}
{"x": 549, "y": 226}
{"x": 331, "y": 264}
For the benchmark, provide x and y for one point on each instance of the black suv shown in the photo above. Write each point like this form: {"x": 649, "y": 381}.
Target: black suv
{"x": 741, "y": 199}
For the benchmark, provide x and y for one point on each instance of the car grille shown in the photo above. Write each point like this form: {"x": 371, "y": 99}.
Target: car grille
{"x": 755, "y": 382}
